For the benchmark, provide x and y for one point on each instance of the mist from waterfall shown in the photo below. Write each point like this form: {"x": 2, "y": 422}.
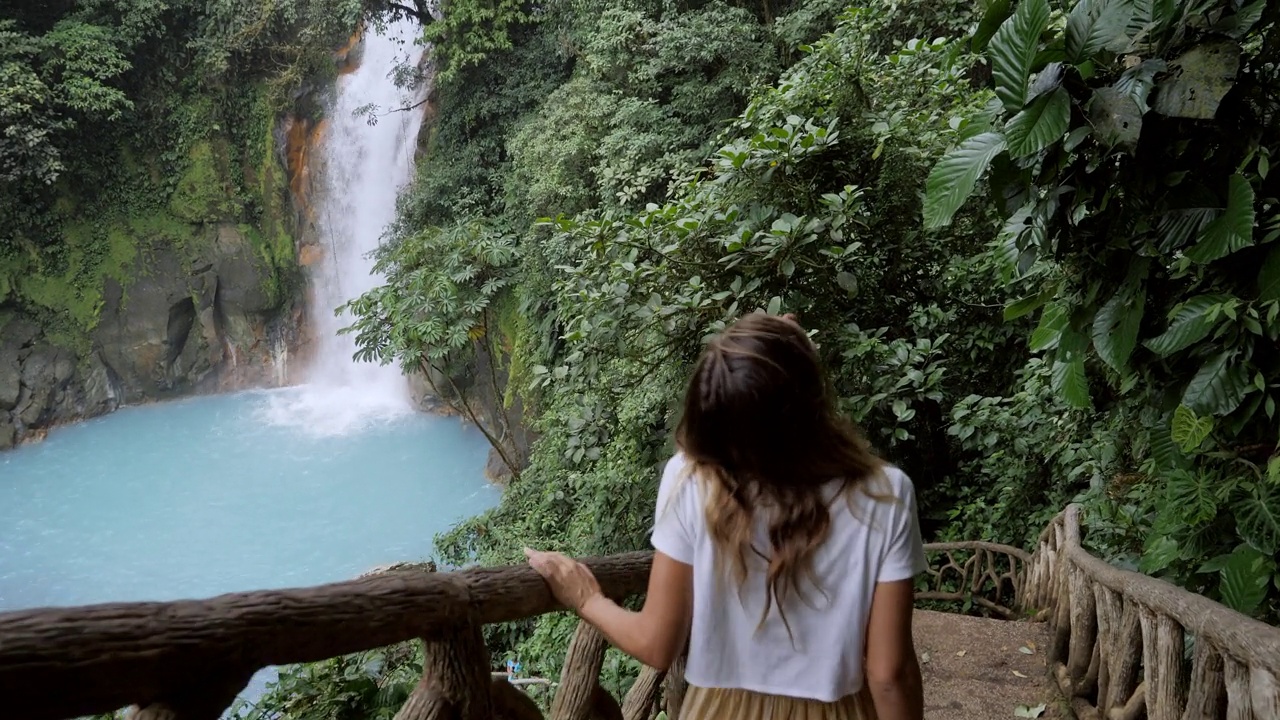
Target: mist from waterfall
{"x": 362, "y": 169}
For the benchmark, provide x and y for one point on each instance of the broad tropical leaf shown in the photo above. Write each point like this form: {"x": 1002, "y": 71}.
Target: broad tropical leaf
{"x": 952, "y": 180}
{"x": 1115, "y": 327}
{"x": 1158, "y": 553}
{"x": 1052, "y": 322}
{"x": 1013, "y": 51}
{"x": 1192, "y": 496}
{"x": 1188, "y": 430}
{"x": 1233, "y": 229}
{"x": 1165, "y": 451}
{"x": 1094, "y": 25}
{"x": 1027, "y": 305}
{"x": 1190, "y": 325}
{"x": 1269, "y": 277}
{"x": 1198, "y": 80}
{"x": 997, "y": 12}
{"x": 1218, "y": 387}
{"x": 1244, "y": 579}
{"x": 1149, "y": 19}
{"x": 1137, "y": 81}
{"x": 1020, "y": 240}
{"x": 1116, "y": 118}
{"x": 1070, "y": 382}
{"x": 1258, "y": 518}
{"x": 1040, "y": 124}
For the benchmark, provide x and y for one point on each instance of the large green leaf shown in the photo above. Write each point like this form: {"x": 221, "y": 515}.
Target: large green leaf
{"x": 952, "y": 180}
{"x": 1052, "y": 322}
{"x": 1192, "y": 497}
{"x": 1164, "y": 451}
{"x": 1116, "y": 117}
{"x": 1013, "y": 52}
{"x": 1189, "y": 326}
{"x": 1188, "y": 430}
{"x": 1269, "y": 277}
{"x": 1040, "y": 124}
{"x": 997, "y": 12}
{"x": 1233, "y": 229}
{"x": 1094, "y": 25}
{"x": 1158, "y": 553}
{"x": 1218, "y": 387}
{"x": 1198, "y": 80}
{"x": 1258, "y": 518}
{"x": 1245, "y": 576}
{"x": 1070, "y": 382}
{"x": 1137, "y": 81}
{"x": 1115, "y": 327}
{"x": 1149, "y": 19}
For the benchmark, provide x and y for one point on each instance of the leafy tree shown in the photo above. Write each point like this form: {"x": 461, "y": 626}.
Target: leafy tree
{"x": 1129, "y": 150}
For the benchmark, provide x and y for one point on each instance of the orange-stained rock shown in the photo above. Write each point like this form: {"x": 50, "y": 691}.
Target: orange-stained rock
{"x": 309, "y": 255}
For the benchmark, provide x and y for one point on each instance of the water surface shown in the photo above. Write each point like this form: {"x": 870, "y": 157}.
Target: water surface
{"x": 208, "y": 495}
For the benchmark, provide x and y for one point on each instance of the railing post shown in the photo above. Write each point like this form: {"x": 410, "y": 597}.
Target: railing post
{"x": 580, "y": 692}
{"x": 1264, "y": 693}
{"x": 1207, "y": 697}
{"x": 1239, "y": 702}
{"x": 1124, "y": 656}
{"x": 675, "y": 687}
{"x": 455, "y": 678}
{"x": 643, "y": 693}
{"x": 1084, "y": 630}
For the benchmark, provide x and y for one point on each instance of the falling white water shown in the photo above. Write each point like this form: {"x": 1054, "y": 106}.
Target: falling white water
{"x": 363, "y": 167}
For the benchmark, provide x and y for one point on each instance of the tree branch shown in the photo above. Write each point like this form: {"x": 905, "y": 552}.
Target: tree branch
{"x": 418, "y": 13}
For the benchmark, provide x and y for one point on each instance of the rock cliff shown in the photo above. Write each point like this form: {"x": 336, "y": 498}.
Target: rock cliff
{"x": 185, "y": 321}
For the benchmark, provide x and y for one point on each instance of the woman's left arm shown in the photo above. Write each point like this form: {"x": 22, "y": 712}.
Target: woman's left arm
{"x": 656, "y": 634}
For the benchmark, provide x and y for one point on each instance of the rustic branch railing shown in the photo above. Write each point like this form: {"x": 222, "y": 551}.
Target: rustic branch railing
{"x": 988, "y": 575}
{"x": 1118, "y": 644}
{"x": 1120, "y": 640}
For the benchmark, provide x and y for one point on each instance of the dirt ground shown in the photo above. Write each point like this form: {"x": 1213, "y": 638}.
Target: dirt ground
{"x": 979, "y": 669}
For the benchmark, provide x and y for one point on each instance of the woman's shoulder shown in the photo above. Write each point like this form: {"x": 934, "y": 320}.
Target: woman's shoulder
{"x": 889, "y": 482}
{"x": 677, "y": 474}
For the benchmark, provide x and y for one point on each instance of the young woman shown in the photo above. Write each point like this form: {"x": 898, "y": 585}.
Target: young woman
{"x": 785, "y": 550}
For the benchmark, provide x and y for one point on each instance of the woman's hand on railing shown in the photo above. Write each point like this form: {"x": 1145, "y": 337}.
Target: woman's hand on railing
{"x": 571, "y": 582}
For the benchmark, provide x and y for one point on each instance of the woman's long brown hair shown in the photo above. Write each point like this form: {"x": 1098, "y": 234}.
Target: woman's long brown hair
{"x": 763, "y": 435}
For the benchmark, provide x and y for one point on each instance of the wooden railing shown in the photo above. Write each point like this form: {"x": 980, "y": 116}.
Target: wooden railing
{"x": 1118, "y": 641}
{"x": 1121, "y": 640}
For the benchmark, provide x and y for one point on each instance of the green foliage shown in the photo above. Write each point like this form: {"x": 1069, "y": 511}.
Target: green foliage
{"x": 664, "y": 231}
{"x": 370, "y": 685}
{"x": 1141, "y": 217}
{"x": 200, "y": 195}
{"x": 440, "y": 288}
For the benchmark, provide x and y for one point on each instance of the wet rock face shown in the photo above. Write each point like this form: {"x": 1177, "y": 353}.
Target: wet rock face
{"x": 180, "y": 326}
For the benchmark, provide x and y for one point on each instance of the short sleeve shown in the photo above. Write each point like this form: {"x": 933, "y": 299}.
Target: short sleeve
{"x": 672, "y": 532}
{"x": 904, "y": 551}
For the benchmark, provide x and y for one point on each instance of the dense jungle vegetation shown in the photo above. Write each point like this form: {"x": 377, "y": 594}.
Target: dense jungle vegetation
{"x": 124, "y": 122}
{"x": 1038, "y": 244}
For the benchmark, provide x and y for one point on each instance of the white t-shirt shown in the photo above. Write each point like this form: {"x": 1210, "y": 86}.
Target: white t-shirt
{"x": 881, "y": 543}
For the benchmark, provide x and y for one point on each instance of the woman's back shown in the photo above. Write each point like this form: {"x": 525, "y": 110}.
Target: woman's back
{"x": 817, "y": 652}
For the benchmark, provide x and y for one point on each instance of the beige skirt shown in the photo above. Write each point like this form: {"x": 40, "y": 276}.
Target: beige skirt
{"x": 732, "y": 704}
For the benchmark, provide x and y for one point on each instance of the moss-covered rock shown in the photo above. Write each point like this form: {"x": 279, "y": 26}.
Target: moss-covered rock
{"x": 204, "y": 192}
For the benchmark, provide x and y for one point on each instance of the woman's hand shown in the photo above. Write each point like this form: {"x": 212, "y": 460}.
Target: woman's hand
{"x": 571, "y": 582}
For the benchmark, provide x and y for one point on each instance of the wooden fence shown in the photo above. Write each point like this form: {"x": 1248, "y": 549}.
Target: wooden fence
{"x": 1127, "y": 646}
{"x": 1118, "y": 641}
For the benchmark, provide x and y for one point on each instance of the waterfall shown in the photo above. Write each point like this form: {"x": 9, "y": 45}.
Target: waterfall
{"x": 363, "y": 166}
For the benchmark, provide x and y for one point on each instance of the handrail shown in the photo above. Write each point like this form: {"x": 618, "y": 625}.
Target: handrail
{"x": 1120, "y": 640}
{"x": 1117, "y": 651}
{"x": 81, "y": 660}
